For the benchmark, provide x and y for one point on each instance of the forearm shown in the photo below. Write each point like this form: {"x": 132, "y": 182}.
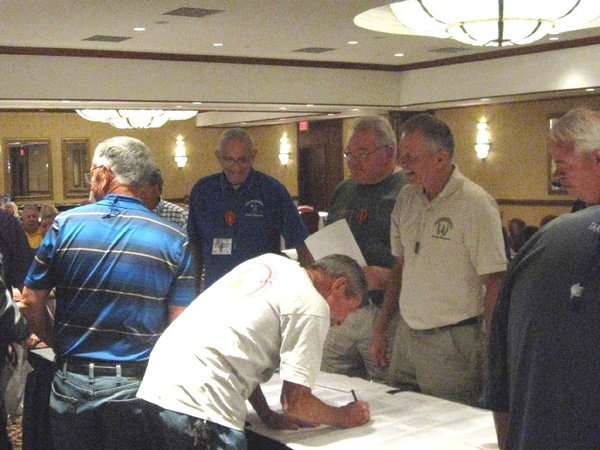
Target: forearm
{"x": 493, "y": 283}
{"x": 33, "y": 307}
{"x": 305, "y": 257}
{"x": 299, "y": 402}
{"x": 377, "y": 277}
{"x": 309, "y": 408}
{"x": 198, "y": 266}
{"x": 389, "y": 307}
{"x": 259, "y": 403}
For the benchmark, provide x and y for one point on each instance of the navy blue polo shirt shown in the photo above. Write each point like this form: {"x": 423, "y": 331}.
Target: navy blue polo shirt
{"x": 232, "y": 225}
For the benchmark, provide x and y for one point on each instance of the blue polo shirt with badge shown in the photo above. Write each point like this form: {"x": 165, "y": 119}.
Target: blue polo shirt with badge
{"x": 235, "y": 223}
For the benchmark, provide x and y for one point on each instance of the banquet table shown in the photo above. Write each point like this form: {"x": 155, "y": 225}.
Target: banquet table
{"x": 406, "y": 420}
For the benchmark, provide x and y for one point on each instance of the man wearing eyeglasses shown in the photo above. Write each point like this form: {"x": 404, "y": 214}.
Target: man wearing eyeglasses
{"x": 365, "y": 201}
{"x": 240, "y": 213}
{"x": 543, "y": 382}
{"x": 121, "y": 274}
{"x": 447, "y": 238}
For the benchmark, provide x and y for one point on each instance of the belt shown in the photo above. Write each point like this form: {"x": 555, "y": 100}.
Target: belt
{"x": 97, "y": 367}
{"x": 463, "y": 323}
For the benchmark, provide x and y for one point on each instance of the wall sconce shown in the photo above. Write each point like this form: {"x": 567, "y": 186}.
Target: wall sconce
{"x": 180, "y": 156}
{"x": 482, "y": 146}
{"x": 284, "y": 149}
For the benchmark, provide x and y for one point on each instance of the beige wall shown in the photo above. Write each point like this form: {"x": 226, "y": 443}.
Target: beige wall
{"x": 200, "y": 146}
{"x": 515, "y": 172}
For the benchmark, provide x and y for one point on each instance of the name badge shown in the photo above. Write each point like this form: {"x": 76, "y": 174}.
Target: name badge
{"x": 222, "y": 246}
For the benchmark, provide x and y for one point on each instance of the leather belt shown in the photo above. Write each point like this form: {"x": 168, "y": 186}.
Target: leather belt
{"x": 463, "y": 323}
{"x": 97, "y": 367}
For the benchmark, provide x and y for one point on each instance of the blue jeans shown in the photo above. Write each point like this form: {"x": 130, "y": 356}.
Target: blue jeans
{"x": 96, "y": 413}
{"x": 175, "y": 431}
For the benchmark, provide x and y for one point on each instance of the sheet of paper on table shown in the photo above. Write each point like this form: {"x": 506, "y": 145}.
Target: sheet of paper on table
{"x": 405, "y": 420}
{"x": 335, "y": 238}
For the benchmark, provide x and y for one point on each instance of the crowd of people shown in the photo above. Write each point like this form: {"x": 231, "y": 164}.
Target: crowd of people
{"x": 160, "y": 346}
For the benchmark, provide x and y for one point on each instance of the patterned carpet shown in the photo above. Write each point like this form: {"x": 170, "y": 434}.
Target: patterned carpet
{"x": 15, "y": 432}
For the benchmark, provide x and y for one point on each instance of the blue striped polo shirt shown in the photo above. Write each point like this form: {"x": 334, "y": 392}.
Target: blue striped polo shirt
{"x": 116, "y": 267}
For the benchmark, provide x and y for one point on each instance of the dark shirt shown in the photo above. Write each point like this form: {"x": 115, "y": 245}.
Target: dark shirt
{"x": 233, "y": 225}
{"x": 16, "y": 253}
{"x": 544, "y": 358}
{"x": 368, "y": 208}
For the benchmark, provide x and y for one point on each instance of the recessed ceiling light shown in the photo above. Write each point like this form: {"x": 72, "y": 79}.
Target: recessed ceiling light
{"x": 352, "y": 42}
{"x": 309, "y": 104}
{"x": 553, "y": 38}
{"x": 399, "y": 54}
{"x": 485, "y": 100}
{"x": 355, "y": 109}
{"x": 65, "y": 101}
{"x": 196, "y": 103}
{"x": 590, "y": 89}
{"x": 218, "y": 44}
{"x": 139, "y": 29}
{"x": 282, "y": 108}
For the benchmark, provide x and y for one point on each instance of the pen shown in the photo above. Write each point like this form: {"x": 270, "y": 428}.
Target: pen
{"x": 354, "y": 394}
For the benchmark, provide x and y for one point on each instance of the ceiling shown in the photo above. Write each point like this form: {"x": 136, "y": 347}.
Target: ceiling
{"x": 316, "y": 33}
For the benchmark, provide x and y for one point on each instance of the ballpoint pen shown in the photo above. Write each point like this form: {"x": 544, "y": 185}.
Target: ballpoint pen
{"x": 353, "y": 394}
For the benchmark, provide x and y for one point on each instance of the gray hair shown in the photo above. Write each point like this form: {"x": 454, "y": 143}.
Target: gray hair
{"x": 236, "y": 134}
{"x": 156, "y": 179}
{"x": 343, "y": 266}
{"x": 31, "y": 208}
{"x": 128, "y": 158}
{"x": 384, "y": 133}
{"x": 580, "y": 127}
{"x": 433, "y": 129}
{"x": 14, "y": 207}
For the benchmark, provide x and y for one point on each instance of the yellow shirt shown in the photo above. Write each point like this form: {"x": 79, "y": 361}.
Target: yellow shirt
{"x": 35, "y": 239}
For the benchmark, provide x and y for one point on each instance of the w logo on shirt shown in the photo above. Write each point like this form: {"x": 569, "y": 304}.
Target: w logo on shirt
{"x": 442, "y": 227}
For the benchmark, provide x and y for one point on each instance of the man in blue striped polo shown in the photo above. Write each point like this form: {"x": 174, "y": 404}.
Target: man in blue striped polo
{"x": 121, "y": 274}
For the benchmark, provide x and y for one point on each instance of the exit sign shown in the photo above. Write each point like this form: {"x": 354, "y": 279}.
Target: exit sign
{"x": 303, "y": 126}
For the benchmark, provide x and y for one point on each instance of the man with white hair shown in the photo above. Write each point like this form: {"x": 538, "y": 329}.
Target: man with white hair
{"x": 543, "y": 383}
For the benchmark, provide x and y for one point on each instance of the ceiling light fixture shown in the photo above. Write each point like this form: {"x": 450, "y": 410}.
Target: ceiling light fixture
{"x": 134, "y": 118}
{"x": 482, "y": 22}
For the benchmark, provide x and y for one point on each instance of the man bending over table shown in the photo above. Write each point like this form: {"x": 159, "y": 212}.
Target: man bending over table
{"x": 266, "y": 314}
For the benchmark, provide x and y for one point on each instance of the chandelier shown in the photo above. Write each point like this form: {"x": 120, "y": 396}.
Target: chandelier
{"x": 482, "y": 22}
{"x": 134, "y": 118}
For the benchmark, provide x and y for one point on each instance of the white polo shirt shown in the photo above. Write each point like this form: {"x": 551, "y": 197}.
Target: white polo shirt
{"x": 447, "y": 244}
{"x": 262, "y": 316}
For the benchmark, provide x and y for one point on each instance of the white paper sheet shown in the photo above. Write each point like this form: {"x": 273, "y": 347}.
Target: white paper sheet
{"x": 405, "y": 420}
{"x": 335, "y": 238}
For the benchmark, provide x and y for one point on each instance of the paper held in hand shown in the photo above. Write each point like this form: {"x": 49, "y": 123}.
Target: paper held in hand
{"x": 335, "y": 238}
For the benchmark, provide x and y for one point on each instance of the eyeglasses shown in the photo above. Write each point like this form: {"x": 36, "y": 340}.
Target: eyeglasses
{"x": 359, "y": 155}
{"x": 230, "y": 162}
{"x": 89, "y": 173}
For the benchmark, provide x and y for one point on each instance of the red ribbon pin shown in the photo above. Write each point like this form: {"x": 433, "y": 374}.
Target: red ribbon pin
{"x": 361, "y": 216}
{"x": 230, "y": 218}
